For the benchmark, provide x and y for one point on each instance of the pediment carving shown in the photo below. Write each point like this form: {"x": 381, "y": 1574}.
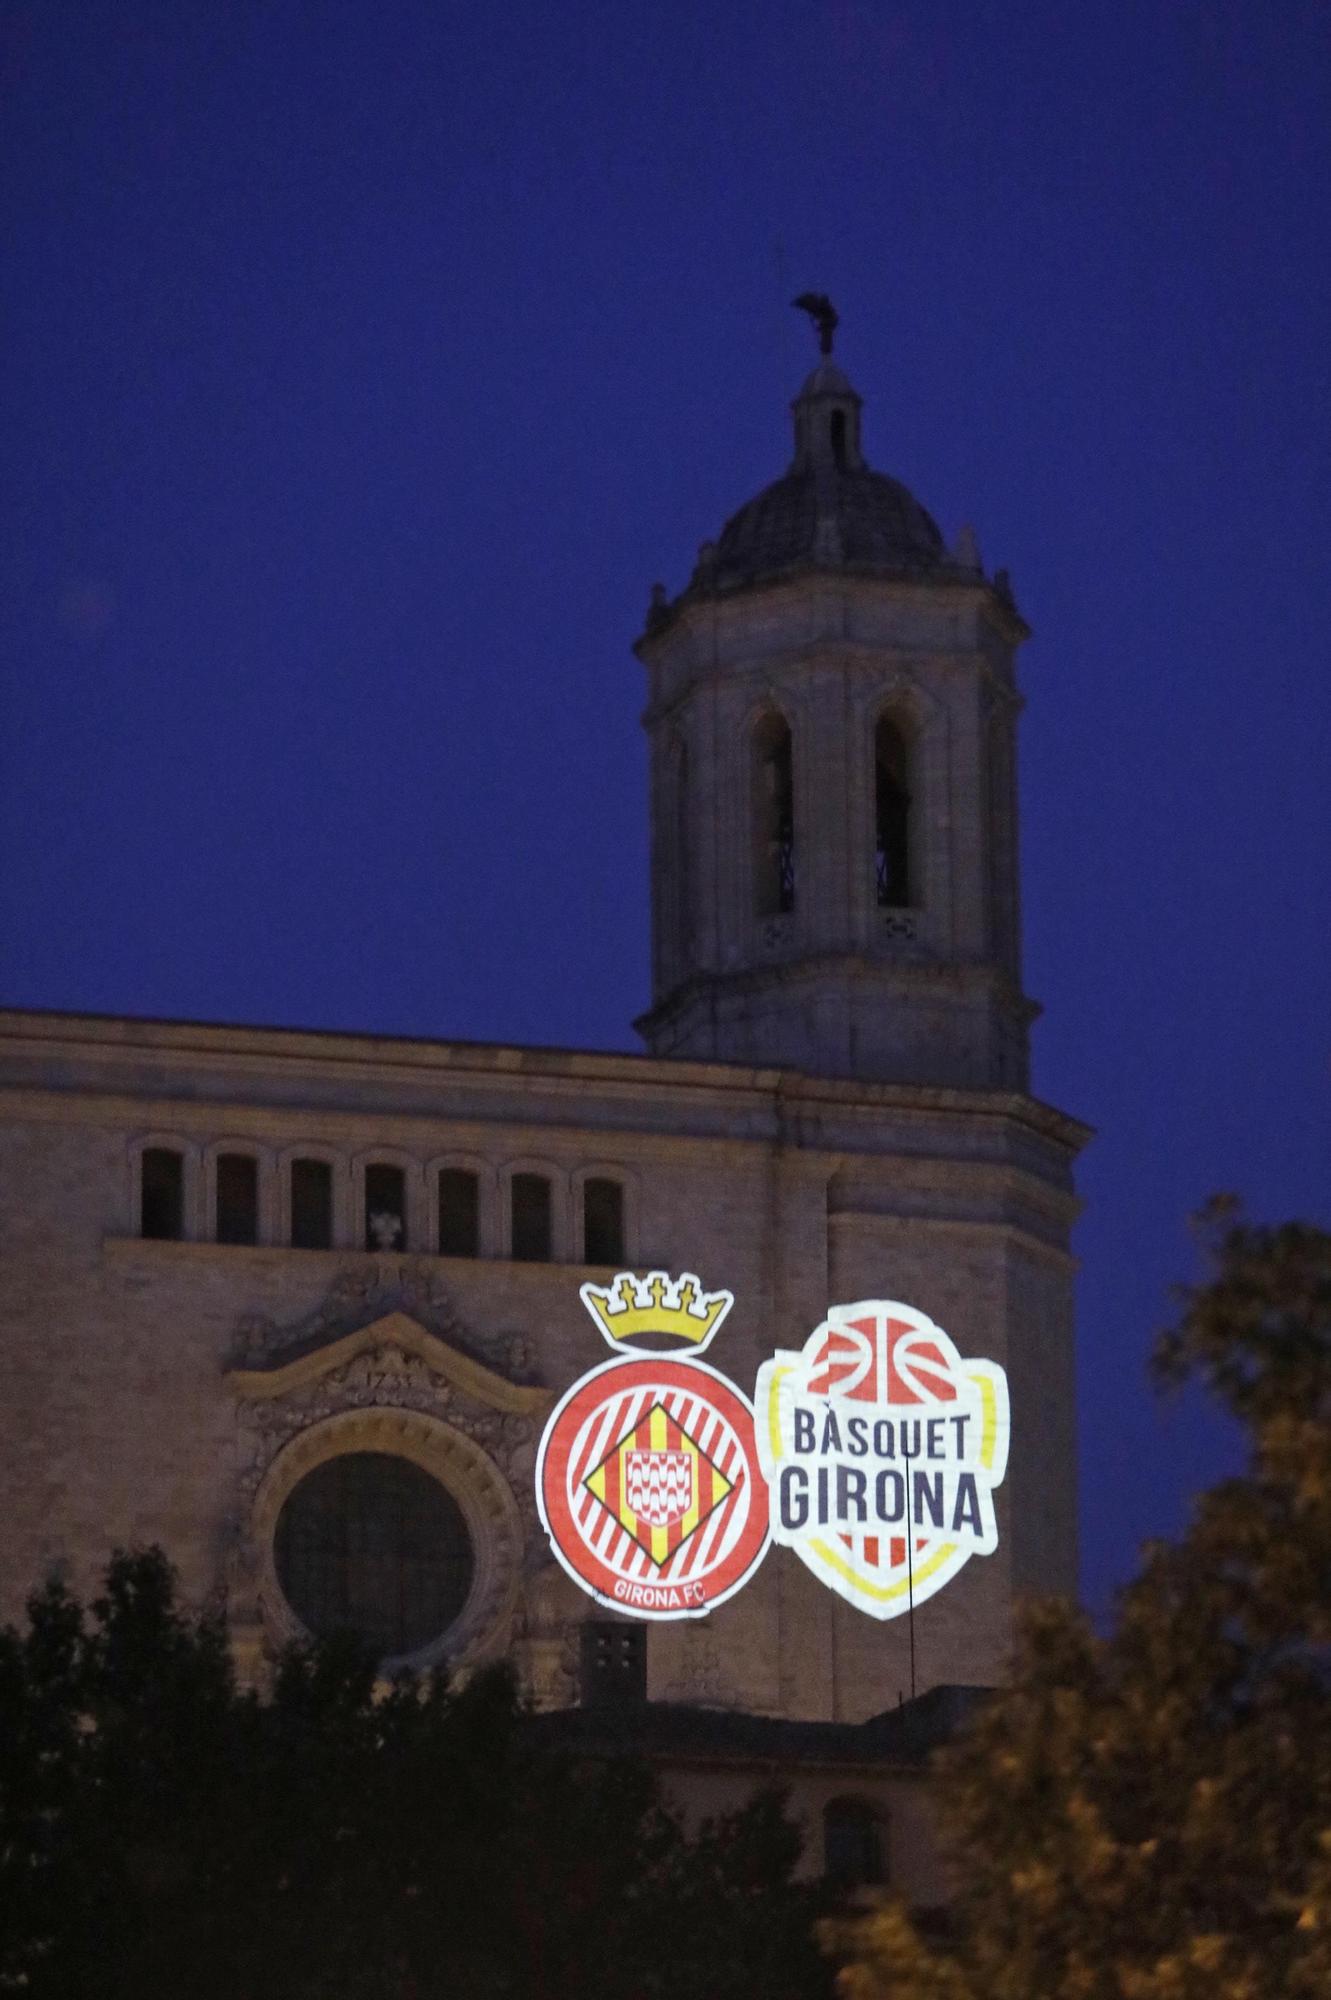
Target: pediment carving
{"x": 393, "y": 1351}
{"x": 387, "y": 1318}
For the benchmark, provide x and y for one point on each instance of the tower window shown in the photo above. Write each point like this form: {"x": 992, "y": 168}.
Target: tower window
{"x": 773, "y": 818}
{"x": 892, "y": 816}
{"x": 459, "y": 1213}
{"x": 602, "y": 1222}
{"x": 385, "y": 1207}
{"x": 311, "y": 1205}
{"x": 614, "y": 1664}
{"x": 529, "y": 1197}
{"x": 236, "y": 1214}
{"x": 162, "y": 1193}
{"x": 837, "y": 434}
{"x": 853, "y": 1856}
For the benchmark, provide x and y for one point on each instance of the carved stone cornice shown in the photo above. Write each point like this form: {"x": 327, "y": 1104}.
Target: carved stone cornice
{"x": 383, "y": 1340}
{"x": 378, "y": 1302}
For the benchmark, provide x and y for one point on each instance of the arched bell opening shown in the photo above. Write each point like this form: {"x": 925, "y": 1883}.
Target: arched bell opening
{"x": 896, "y": 863}
{"x": 773, "y": 790}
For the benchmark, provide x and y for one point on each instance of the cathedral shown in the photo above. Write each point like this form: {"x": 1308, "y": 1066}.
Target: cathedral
{"x": 406, "y": 1335}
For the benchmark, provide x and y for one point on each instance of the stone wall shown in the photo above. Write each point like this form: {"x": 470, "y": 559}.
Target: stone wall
{"x": 839, "y": 985}
{"x": 137, "y": 1408}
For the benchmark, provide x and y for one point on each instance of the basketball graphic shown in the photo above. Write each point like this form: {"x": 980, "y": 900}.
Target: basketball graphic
{"x": 882, "y": 1449}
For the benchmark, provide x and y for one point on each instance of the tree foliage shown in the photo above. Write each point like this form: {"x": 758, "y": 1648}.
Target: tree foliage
{"x": 164, "y": 1833}
{"x": 1147, "y": 1815}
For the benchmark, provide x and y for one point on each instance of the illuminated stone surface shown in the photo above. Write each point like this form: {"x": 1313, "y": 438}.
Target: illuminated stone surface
{"x": 835, "y": 1108}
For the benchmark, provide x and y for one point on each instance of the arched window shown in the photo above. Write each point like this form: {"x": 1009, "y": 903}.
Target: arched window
{"x": 385, "y": 1207}
{"x": 236, "y": 1205}
{"x": 773, "y": 818}
{"x": 162, "y": 1193}
{"x": 459, "y": 1213}
{"x": 837, "y": 433}
{"x": 853, "y": 1845}
{"x": 530, "y": 1219}
{"x": 311, "y": 1205}
{"x": 602, "y": 1221}
{"x": 893, "y": 860}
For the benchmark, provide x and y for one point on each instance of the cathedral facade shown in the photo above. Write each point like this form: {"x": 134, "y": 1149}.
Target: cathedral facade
{"x": 299, "y": 1306}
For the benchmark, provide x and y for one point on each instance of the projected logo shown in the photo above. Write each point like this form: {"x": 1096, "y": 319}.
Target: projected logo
{"x": 647, "y": 1479}
{"x": 882, "y": 1449}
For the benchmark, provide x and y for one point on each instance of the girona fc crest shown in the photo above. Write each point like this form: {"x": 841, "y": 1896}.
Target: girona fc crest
{"x": 647, "y": 1479}
{"x": 883, "y": 1449}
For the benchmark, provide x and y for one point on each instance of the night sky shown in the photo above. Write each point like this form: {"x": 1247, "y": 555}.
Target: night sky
{"x": 366, "y": 365}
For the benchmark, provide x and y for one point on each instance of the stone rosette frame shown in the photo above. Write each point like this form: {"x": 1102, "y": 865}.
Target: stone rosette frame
{"x": 384, "y": 1365}
{"x": 469, "y": 1475}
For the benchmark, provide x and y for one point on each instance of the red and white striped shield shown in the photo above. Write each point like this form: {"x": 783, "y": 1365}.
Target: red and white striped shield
{"x": 649, "y": 1487}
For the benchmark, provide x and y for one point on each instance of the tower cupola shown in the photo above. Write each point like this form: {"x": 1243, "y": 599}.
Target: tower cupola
{"x": 827, "y": 422}
{"x": 833, "y": 715}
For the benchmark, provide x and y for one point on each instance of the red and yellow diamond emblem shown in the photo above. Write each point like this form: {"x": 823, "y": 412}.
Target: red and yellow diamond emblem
{"x": 659, "y": 1484}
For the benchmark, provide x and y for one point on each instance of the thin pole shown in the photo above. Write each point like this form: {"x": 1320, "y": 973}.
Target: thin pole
{"x": 910, "y": 1584}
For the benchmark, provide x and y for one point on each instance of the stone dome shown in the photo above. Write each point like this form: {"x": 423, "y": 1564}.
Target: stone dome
{"x": 830, "y": 511}
{"x": 849, "y": 515}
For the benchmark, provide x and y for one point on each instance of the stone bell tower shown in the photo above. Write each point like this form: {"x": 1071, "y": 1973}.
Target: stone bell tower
{"x": 832, "y": 714}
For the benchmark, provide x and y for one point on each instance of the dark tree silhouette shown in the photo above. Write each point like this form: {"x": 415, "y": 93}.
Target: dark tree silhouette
{"x": 164, "y": 1833}
{"x": 1147, "y": 1816}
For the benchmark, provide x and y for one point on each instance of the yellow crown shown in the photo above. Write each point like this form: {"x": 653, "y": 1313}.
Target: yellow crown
{"x": 632, "y": 1308}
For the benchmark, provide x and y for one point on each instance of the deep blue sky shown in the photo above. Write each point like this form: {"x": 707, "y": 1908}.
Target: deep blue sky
{"x": 365, "y": 366}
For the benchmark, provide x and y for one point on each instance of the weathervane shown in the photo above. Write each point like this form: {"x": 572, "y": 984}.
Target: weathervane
{"x": 823, "y": 314}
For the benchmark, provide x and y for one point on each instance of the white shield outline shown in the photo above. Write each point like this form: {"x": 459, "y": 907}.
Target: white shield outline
{"x": 980, "y": 1385}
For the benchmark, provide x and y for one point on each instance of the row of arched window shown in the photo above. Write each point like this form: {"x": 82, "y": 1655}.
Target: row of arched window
{"x": 776, "y": 823}
{"x": 315, "y": 1201}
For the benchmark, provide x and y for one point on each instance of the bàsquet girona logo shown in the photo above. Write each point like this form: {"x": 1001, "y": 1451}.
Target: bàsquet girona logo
{"x": 883, "y": 1449}
{"x": 874, "y": 1454}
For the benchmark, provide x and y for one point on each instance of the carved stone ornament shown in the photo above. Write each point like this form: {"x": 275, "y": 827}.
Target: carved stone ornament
{"x": 383, "y": 1365}
{"x": 701, "y": 1671}
{"x": 360, "y": 1293}
{"x": 489, "y": 1508}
